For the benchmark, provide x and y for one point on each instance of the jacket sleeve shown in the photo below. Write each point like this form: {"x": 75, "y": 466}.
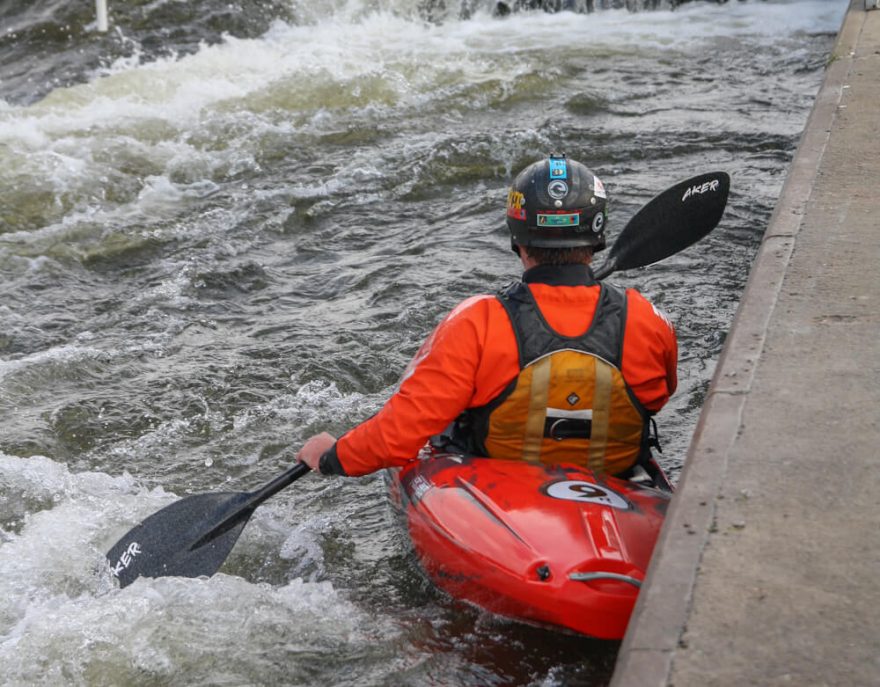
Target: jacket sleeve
{"x": 650, "y": 352}
{"x": 436, "y": 387}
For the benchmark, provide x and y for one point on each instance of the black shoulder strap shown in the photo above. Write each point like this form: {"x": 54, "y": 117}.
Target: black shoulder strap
{"x": 536, "y": 338}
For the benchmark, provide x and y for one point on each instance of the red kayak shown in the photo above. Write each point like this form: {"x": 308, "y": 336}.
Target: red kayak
{"x": 547, "y": 544}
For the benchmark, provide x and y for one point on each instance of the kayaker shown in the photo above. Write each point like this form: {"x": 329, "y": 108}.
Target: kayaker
{"x": 556, "y": 367}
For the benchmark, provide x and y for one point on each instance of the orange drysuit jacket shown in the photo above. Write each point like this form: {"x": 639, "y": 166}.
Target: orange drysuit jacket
{"x": 472, "y": 356}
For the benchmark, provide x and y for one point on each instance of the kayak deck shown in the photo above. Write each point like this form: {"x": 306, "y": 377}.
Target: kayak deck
{"x": 546, "y": 544}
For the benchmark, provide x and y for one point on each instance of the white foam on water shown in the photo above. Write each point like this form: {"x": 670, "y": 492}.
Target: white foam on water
{"x": 173, "y": 116}
{"x": 58, "y": 356}
{"x": 312, "y": 402}
{"x": 55, "y": 551}
{"x": 63, "y": 619}
{"x": 302, "y": 546}
{"x": 171, "y": 628}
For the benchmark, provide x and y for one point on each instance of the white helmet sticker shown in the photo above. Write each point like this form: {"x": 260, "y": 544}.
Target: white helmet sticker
{"x": 557, "y": 189}
{"x": 598, "y": 222}
{"x": 598, "y": 187}
{"x": 587, "y": 492}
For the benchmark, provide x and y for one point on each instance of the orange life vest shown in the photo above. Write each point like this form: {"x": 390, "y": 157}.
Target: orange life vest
{"x": 570, "y": 402}
{"x": 473, "y": 356}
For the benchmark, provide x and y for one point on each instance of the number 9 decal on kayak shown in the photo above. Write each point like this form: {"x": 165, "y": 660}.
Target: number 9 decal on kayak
{"x": 586, "y": 492}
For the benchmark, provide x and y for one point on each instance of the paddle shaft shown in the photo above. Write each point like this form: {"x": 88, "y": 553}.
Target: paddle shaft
{"x": 256, "y": 498}
{"x": 283, "y": 480}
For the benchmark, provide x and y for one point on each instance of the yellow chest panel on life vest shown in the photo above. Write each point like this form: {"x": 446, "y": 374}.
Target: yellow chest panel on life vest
{"x": 568, "y": 406}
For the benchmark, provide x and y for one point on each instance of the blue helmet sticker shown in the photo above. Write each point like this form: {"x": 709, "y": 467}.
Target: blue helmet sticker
{"x": 558, "y": 168}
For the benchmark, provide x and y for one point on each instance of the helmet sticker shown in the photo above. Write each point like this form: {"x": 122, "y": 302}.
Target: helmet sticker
{"x": 558, "y": 168}
{"x": 557, "y": 189}
{"x": 598, "y": 187}
{"x": 571, "y": 219}
{"x": 598, "y": 222}
{"x": 515, "y": 208}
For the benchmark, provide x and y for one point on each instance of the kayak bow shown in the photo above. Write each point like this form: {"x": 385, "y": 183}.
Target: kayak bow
{"x": 553, "y": 545}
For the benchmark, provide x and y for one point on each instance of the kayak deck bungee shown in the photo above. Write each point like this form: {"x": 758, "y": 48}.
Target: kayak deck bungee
{"x": 548, "y": 544}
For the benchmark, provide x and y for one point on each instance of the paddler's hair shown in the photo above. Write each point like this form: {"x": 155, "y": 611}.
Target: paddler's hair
{"x": 577, "y": 255}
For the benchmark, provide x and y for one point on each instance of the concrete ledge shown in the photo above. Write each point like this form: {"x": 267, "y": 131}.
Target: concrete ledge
{"x": 658, "y": 629}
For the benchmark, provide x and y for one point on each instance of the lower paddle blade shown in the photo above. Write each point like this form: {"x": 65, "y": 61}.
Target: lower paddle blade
{"x": 669, "y": 223}
{"x": 178, "y": 540}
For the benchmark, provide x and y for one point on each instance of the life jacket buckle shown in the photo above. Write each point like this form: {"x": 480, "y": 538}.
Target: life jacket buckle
{"x": 552, "y": 431}
{"x": 561, "y": 428}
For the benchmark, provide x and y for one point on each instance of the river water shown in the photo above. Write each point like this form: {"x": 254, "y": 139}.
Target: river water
{"x": 224, "y": 227}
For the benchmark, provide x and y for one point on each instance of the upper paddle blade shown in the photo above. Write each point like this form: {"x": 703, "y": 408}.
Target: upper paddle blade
{"x": 669, "y": 223}
{"x": 173, "y": 541}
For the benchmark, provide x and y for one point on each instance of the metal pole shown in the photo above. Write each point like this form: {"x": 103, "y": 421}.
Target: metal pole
{"x": 101, "y": 12}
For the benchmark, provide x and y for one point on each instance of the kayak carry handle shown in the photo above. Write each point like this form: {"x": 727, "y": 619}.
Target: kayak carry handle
{"x": 591, "y": 576}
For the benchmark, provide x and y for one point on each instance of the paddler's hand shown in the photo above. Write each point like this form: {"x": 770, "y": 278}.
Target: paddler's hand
{"x": 314, "y": 448}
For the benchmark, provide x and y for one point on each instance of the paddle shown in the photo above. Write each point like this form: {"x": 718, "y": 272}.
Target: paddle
{"x": 668, "y": 223}
{"x": 191, "y": 537}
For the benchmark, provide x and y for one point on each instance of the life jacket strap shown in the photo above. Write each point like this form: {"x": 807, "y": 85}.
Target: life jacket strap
{"x": 653, "y": 440}
{"x": 534, "y": 428}
{"x": 601, "y": 416}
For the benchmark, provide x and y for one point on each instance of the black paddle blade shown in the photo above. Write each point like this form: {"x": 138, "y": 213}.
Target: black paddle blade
{"x": 190, "y": 538}
{"x": 669, "y": 223}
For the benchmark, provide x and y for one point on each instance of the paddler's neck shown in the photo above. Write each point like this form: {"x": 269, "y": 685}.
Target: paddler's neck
{"x": 562, "y": 275}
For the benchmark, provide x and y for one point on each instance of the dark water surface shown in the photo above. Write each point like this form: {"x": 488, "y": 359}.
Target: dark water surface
{"x": 224, "y": 227}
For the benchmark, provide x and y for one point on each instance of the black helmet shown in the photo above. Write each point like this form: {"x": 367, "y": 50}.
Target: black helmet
{"x": 557, "y": 203}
